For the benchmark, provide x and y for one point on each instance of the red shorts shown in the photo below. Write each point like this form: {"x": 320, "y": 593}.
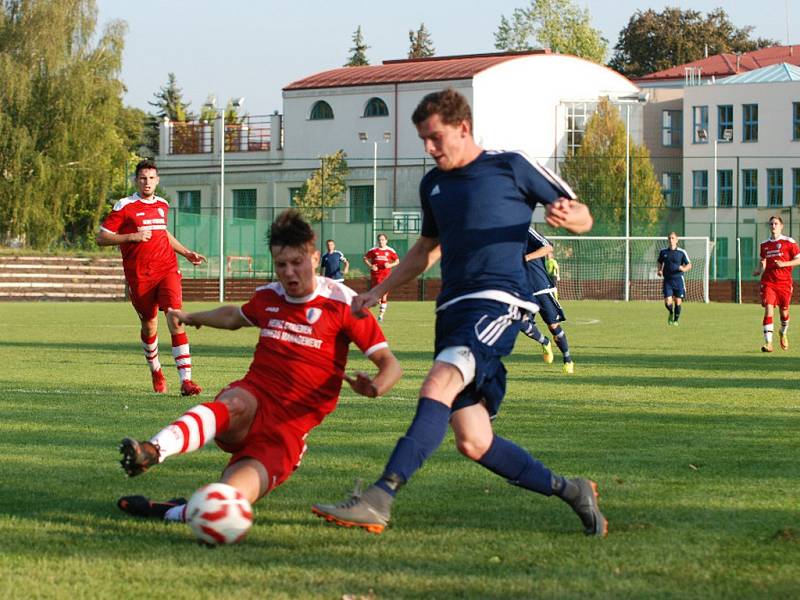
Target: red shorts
{"x": 148, "y": 297}
{"x": 277, "y": 446}
{"x": 776, "y": 296}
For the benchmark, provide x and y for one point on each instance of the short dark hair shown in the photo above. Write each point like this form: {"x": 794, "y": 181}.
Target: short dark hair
{"x": 146, "y": 164}
{"x": 326, "y": 241}
{"x": 451, "y": 107}
{"x": 776, "y": 217}
{"x": 290, "y": 229}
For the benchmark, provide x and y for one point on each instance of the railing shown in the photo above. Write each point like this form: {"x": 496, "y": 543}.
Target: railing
{"x": 250, "y": 134}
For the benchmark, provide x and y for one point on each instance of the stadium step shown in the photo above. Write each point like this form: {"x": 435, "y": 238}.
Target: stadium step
{"x": 61, "y": 278}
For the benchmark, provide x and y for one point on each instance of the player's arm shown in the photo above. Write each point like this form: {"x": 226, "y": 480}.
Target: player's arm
{"x": 107, "y": 238}
{"x": 346, "y": 265}
{"x": 545, "y": 250}
{"x": 686, "y": 267}
{"x": 393, "y": 264}
{"x": 570, "y": 214}
{"x": 224, "y": 317}
{"x": 788, "y": 263}
{"x": 388, "y": 374}
{"x": 193, "y": 257}
{"x": 424, "y": 253}
{"x": 762, "y": 266}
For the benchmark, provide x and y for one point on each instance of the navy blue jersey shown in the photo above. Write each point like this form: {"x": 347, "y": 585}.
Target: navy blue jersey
{"x": 672, "y": 261}
{"x": 332, "y": 263}
{"x": 537, "y": 269}
{"x": 480, "y": 213}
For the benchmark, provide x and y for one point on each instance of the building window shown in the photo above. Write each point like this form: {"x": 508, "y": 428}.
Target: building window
{"x": 750, "y": 122}
{"x": 671, "y": 128}
{"x": 577, "y": 115}
{"x": 672, "y": 188}
{"x": 796, "y": 121}
{"x": 699, "y": 188}
{"x": 244, "y": 204}
{"x": 774, "y": 187}
{"x": 376, "y": 108}
{"x": 321, "y": 110}
{"x": 725, "y": 188}
{"x": 700, "y": 124}
{"x": 796, "y": 187}
{"x": 749, "y": 187}
{"x": 294, "y": 193}
{"x": 721, "y": 252}
{"x": 361, "y": 198}
{"x": 189, "y": 201}
{"x": 725, "y": 122}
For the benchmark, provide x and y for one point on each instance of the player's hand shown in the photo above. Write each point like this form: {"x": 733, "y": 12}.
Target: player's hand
{"x": 180, "y": 317}
{"x": 194, "y": 257}
{"x": 569, "y": 214}
{"x": 780, "y": 263}
{"x": 362, "y": 384}
{"x": 141, "y": 236}
{"x": 373, "y": 267}
{"x": 361, "y": 303}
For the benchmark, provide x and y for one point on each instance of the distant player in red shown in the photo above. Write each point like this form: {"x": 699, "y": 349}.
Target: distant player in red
{"x": 380, "y": 260}
{"x": 305, "y": 327}
{"x": 138, "y": 225}
{"x": 779, "y": 254}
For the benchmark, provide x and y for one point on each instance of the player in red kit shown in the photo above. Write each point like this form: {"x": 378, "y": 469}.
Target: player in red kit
{"x": 305, "y": 327}
{"x": 380, "y": 260}
{"x": 138, "y": 225}
{"x": 779, "y": 254}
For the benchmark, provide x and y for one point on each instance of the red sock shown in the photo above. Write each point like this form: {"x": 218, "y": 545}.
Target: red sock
{"x": 193, "y": 430}
{"x": 182, "y": 356}
{"x": 150, "y": 347}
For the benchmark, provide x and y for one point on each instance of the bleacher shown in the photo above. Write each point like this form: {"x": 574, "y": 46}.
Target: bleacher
{"x": 61, "y": 278}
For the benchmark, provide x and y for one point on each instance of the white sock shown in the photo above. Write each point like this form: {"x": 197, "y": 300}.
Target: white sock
{"x": 176, "y": 513}
{"x": 784, "y": 326}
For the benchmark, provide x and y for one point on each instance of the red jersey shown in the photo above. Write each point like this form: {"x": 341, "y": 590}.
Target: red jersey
{"x": 380, "y": 257}
{"x": 784, "y": 248}
{"x": 143, "y": 261}
{"x": 302, "y": 350}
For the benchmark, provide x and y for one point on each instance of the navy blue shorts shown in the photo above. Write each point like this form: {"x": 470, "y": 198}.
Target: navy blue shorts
{"x": 675, "y": 287}
{"x": 550, "y": 309}
{"x": 488, "y": 329}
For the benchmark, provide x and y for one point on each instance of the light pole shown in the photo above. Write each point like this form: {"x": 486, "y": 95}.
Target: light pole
{"x": 211, "y": 104}
{"x": 363, "y": 136}
{"x": 639, "y": 98}
{"x": 727, "y": 136}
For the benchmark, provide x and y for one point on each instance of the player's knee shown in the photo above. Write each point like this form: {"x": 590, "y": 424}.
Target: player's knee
{"x": 239, "y": 407}
{"x": 473, "y": 447}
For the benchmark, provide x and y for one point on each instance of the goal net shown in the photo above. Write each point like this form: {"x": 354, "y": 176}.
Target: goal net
{"x": 619, "y": 268}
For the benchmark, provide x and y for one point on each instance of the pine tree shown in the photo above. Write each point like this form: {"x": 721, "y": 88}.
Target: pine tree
{"x": 358, "y": 56}
{"x": 421, "y": 44}
{"x": 169, "y": 102}
{"x": 324, "y": 189}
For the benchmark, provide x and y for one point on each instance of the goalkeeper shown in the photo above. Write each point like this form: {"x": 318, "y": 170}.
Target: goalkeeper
{"x": 542, "y": 274}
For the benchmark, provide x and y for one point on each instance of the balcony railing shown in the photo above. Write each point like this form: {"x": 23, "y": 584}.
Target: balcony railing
{"x": 250, "y": 134}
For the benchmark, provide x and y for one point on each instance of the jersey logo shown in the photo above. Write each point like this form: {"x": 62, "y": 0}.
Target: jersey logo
{"x": 313, "y": 315}
{"x": 272, "y": 309}
{"x": 161, "y": 212}
{"x": 435, "y": 191}
{"x": 140, "y": 214}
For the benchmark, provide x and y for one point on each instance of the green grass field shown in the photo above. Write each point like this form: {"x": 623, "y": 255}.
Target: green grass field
{"x": 691, "y": 433}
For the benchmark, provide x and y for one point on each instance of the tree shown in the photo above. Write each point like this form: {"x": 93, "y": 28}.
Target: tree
{"x": 653, "y": 41}
{"x": 62, "y": 125}
{"x": 324, "y": 189}
{"x": 358, "y": 56}
{"x": 169, "y": 102}
{"x": 421, "y": 44}
{"x": 596, "y": 171}
{"x": 556, "y": 24}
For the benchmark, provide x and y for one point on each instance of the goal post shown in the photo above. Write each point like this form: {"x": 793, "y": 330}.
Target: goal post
{"x": 625, "y": 268}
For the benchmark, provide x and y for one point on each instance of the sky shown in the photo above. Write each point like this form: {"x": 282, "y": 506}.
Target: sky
{"x": 253, "y": 48}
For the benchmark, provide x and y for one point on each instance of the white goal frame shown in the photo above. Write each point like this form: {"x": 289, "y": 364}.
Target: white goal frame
{"x": 708, "y": 245}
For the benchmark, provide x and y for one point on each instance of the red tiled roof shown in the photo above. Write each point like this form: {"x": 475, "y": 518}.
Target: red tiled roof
{"x": 435, "y": 68}
{"x": 723, "y": 65}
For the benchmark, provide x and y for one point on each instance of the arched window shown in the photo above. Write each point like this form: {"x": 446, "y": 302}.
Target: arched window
{"x": 376, "y": 108}
{"x": 321, "y": 110}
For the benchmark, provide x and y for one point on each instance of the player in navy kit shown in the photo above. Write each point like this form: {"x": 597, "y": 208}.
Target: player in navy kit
{"x": 477, "y": 207}
{"x": 673, "y": 262}
{"x": 333, "y": 263}
{"x": 537, "y": 249}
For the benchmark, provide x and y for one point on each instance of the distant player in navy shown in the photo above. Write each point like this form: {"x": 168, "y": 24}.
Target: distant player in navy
{"x": 673, "y": 262}
{"x": 333, "y": 263}
{"x": 477, "y": 207}
{"x": 537, "y": 250}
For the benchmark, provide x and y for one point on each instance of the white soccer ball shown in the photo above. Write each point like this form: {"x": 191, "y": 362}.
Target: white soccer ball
{"x": 218, "y": 514}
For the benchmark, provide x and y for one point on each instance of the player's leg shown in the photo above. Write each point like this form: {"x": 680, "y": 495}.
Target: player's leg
{"x": 553, "y": 315}
{"x": 170, "y": 296}
{"x": 768, "y": 301}
{"x": 530, "y": 329}
{"x": 476, "y": 440}
{"x": 227, "y": 419}
{"x": 146, "y": 308}
{"x": 677, "y": 303}
{"x": 383, "y": 305}
{"x": 783, "y": 332}
{"x": 667, "y": 288}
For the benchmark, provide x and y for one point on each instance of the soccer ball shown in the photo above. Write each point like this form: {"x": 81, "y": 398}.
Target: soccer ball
{"x": 219, "y": 514}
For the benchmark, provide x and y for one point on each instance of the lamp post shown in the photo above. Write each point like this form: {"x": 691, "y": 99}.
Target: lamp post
{"x": 727, "y": 136}
{"x": 364, "y": 137}
{"x": 633, "y": 99}
{"x": 211, "y": 104}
